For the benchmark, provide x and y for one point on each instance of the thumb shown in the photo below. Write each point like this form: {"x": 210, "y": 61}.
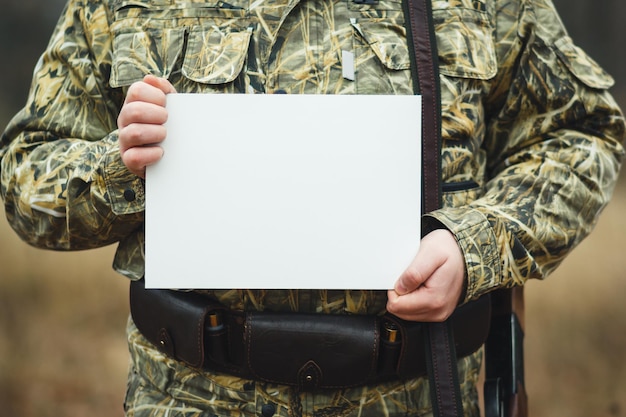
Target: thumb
{"x": 427, "y": 260}
{"x": 413, "y": 277}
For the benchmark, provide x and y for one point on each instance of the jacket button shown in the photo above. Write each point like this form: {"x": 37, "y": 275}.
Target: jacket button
{"x": 129, "y": 195}
{"x": 268, "y": 410}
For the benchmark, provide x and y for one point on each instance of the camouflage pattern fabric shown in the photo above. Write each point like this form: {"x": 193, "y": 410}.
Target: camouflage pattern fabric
{"x": 531, "y": 152}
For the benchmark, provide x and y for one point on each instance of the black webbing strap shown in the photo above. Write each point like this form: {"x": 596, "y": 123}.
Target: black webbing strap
{"x": 445, "y": 390}
{"x": 440, "y": 349}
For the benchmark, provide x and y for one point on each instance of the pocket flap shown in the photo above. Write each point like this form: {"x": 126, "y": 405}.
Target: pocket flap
{"x": 582, "y": 65}
{"x": 214, "y": 56}
{"x": 140, "y": 52}
{"x": 387, "y": 44}
{"x": 320, "y": 352}
{"x": 465, "y": 44}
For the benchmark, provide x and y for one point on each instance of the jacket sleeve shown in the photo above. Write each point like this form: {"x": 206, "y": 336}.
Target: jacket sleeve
{"x": 62, "y": 180}
{"x": 553, "y": 144}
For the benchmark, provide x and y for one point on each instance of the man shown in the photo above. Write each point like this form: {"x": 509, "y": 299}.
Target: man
{"x": 531, "y": 152}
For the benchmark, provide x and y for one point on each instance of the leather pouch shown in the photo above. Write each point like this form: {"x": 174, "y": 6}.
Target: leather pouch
{"x": 174, "y": 322}
{"x": 312, "y": 351}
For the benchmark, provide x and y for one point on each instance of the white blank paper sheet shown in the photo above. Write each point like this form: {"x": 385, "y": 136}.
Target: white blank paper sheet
{"x": 285, "y": 191}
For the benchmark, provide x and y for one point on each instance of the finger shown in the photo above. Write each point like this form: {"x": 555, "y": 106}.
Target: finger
{"x": 417, "y": 272}
{"x": 141, "y": 112}
{"x": 161, "y": 83}
{"x": 141, "y": 135}
{"x": 420, "y": 305}
{"x": 142, "y": 91}
{"x": 426, "y": 303}
{"x": 138, "y": 158}
{"x": 434, "y": 300}
{"x": 401, "y": 306}
{"x": 152, "y": 90}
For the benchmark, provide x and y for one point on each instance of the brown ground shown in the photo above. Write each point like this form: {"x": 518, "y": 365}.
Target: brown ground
{"x": 63, "y": 352}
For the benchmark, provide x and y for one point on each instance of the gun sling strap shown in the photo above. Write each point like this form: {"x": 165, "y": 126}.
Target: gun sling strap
{"x": 440, "y": 348}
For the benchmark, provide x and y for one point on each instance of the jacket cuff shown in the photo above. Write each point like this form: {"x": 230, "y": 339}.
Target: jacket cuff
{"x": 477, "y": 241}
{"x": 125, "y": 190}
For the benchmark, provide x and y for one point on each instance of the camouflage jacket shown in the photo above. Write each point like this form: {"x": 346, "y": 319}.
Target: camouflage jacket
{"x": 531, "y": 137}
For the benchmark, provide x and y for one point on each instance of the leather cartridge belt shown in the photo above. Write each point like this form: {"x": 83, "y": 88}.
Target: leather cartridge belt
{"x": 310, "y": 351}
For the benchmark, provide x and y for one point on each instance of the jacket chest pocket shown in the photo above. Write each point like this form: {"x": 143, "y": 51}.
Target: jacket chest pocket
{"x": 464, "y": 41}
{"x": 206, "y": 43}
{"x": 381, "y": 59}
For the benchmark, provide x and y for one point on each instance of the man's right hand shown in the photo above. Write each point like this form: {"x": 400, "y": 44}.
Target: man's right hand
{"x": 140, "y": 123}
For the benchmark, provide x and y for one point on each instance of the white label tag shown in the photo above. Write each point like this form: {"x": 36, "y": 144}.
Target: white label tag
{"x": 347, "y": 62}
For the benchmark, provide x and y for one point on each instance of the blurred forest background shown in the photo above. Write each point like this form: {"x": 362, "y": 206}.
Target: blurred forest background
{"x": 62, "y": 315}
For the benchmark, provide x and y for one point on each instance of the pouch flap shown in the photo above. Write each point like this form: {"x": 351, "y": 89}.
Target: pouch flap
{"x": 289, "y": 349}
{"x": 174, "y": 321}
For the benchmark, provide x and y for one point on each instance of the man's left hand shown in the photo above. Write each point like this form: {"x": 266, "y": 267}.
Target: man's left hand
{"x": 430, "y": 288}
